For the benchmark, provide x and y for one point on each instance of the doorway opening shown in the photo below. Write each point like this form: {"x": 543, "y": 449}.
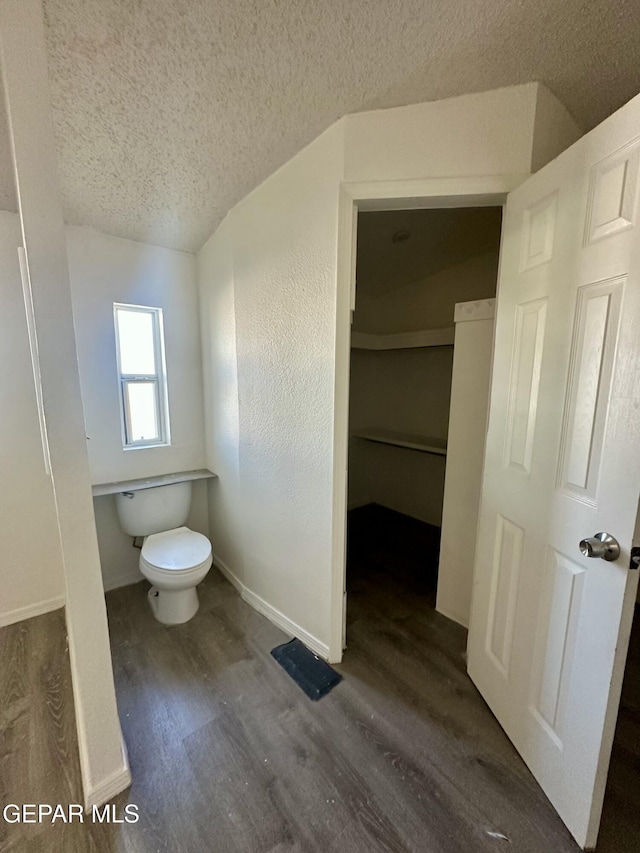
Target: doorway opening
{"x": 620, "y": 825}
{"x": 421, "y": 344}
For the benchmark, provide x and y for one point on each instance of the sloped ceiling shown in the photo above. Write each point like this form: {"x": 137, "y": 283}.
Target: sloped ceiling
{"x": 399, "y": 247}
{"x": 167, "y": 112}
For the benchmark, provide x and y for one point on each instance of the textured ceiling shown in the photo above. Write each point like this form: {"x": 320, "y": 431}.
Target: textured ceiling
{"x": 168, "y": 112}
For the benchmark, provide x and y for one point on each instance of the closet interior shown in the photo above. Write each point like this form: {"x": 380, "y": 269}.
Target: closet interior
{"x": 421, "y": 342}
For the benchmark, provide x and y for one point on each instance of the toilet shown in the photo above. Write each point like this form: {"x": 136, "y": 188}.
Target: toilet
{"x": 174, "y": 559}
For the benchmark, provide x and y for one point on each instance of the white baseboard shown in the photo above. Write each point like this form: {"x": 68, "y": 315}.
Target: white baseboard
{"x": 31, "y": 610}
{"x": 272, "y": 613}
{"x": 107, "y": 789}
{"x": 229, "y": 575}
{"x": 455, "y": 617}
{"x": 96, "y": 791}
{"x": 124, "y": 579}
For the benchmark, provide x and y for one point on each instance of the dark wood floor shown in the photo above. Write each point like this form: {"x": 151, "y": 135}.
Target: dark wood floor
{"x": 228, "y": 754}
{"x": 38, "y": 745}
{"x": 620, "y": 828}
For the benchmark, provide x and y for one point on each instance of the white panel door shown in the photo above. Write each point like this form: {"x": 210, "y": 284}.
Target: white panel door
{"x": 550, "y": 627}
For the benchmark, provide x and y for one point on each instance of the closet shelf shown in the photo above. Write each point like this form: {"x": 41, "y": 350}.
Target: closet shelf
{"x": 404, "y": 340}
{"x": 425, "y": 444}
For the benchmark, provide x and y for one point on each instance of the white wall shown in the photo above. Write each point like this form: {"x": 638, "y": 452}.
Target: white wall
{"x": 362, "y": 413}
{"x": 409, "y": 390}
{"x": 429, "y": 302}
{"x": 31, "y": 567}
{"x": 104, "y": 270}
{"x": 282, "y": 241}
{"x": 217, "y": 315}
{"x": 403, "y": 391}
{"x": 507, "y": 131}
{"x": 284, "y": 272}
{"x": 278, "y": 245}
{"x": 554, "y": 129}
{"x": 103, "y": 761}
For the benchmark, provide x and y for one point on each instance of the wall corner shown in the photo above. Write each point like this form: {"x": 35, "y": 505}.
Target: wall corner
{"x": 554, "y": 128}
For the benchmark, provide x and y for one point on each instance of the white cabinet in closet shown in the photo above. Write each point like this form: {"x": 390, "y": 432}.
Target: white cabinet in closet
{"x": 466, "y": 440}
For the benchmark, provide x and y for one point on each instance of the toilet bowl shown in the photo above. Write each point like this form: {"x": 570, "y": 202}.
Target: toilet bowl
{"x": 175, "y": 562}
{"x": 174, "y": 559}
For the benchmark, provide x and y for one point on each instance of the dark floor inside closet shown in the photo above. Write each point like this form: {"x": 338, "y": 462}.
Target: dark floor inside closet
{"x": 392, "y": 572}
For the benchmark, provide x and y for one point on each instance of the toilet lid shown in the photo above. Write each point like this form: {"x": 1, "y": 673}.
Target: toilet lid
{"x": 177, "y": 549}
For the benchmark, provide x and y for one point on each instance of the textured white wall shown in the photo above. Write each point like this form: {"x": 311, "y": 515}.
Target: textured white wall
{"x": 220, "y": 377}
{"x": 105, "y": 270}
{"x": 30, "y": 569}
{"x": 267, "y": 281}
{"x": 283, "y": 254}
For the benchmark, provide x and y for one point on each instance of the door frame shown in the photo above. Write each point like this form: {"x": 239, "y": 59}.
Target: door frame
{"x": 422, "y": 194}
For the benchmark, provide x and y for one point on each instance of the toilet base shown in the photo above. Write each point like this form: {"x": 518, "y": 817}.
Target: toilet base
{"x": 173, "y": 607}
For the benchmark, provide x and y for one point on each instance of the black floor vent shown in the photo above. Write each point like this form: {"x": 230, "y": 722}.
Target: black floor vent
{"x": 310, "y": 673}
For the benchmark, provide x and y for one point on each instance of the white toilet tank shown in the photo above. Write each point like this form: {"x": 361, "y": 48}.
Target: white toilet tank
{"x": 155, "y": 510}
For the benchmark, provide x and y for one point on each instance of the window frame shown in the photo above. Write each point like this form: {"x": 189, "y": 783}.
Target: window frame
{"x": 159, "y": 379}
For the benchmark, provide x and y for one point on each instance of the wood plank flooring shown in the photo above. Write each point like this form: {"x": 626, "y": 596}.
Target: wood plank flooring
{"x": 229, "y": 755}
{"x": 38, "y": 743}
{"x": 620, "y": 829}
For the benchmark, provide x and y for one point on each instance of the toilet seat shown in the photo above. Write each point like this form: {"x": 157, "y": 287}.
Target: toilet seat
{"x": 176, "y": 552}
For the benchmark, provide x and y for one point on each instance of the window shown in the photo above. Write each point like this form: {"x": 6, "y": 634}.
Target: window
{"x": 142, "y": 374}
